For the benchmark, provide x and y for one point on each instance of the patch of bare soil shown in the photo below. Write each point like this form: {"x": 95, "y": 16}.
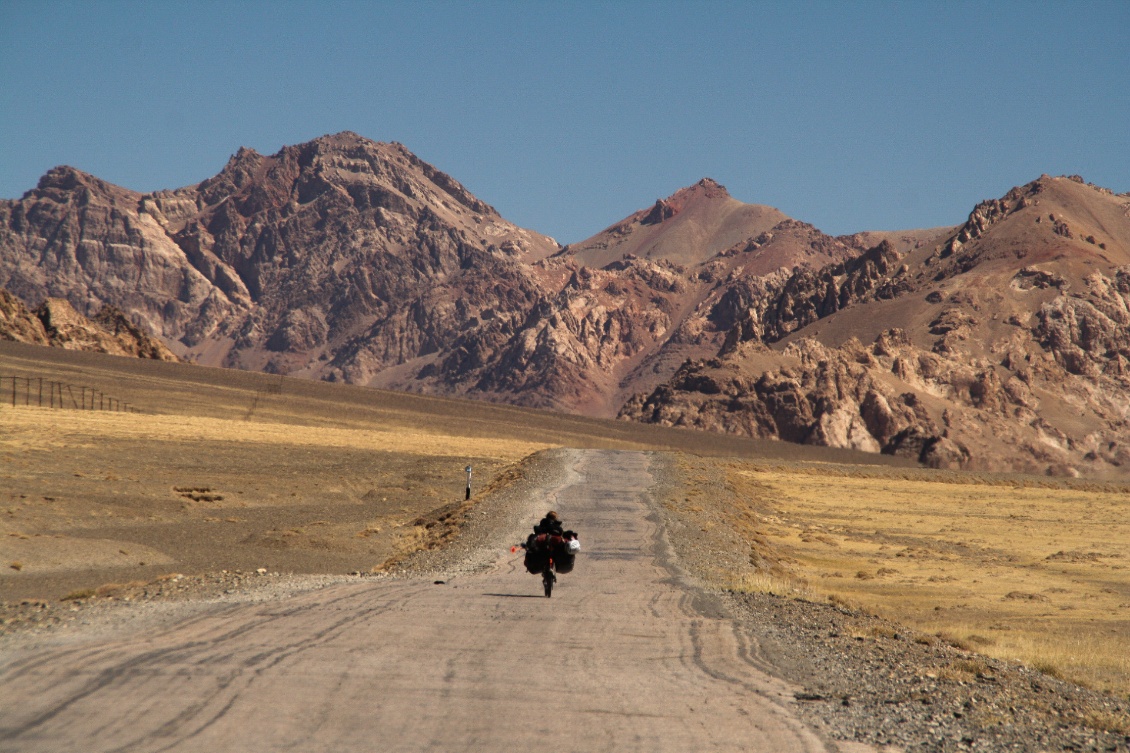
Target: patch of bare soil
{"x": 864, "y": 678}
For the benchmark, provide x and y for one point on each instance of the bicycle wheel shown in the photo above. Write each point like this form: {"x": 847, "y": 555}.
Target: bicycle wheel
{"x": 548, "y": 579}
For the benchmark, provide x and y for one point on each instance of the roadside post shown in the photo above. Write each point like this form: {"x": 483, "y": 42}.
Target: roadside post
{"x": 468, "y": 470}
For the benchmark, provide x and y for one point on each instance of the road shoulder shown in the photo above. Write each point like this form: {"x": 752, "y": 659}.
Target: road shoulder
{"x": 863, "y": 679}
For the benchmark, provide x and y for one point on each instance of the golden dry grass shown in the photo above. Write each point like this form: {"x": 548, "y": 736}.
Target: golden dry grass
{"x": 237, "y": 471}
{"x": 1038, "y": 573}
{"x": 29, "y": 429}
{"x": 95, "y": 497}
{"x": 225, "y": 469}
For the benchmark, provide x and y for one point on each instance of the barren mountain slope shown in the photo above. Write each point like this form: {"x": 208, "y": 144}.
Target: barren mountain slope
{"x": 1004, "y": 347}
{"x": 335, "y": 258}
{"x": 688, "y": 227}
{"x": 604, "y": 333}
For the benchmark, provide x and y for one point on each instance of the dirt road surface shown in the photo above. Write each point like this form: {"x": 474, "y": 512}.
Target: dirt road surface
{"x": 625, "y": 656}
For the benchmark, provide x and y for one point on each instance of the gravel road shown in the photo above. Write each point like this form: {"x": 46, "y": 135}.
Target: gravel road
{"x": 471, "y": 657}
{"x": 457, "y": 650}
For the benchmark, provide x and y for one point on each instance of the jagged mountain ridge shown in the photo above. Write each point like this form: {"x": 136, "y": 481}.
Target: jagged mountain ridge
{"x": 1005, "y": 346}
{"x": 348, "y": 259}
{"x": 335, "y": 258}
{"x": 599, "y": 334}
{"x": 352, "y": 260}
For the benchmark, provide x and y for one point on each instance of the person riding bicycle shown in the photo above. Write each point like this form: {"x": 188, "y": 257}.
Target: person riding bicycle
{"x": 551, "y": 540}
{"x": 550, "y": 524}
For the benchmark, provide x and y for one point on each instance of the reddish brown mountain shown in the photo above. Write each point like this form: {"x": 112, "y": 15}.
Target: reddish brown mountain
{"x": 999, "y": 344}
{"x": 689, "y": 227}
{"x": 668, "y": 286}
{"x": 335, "y": 259}
{"x": 349, "y": 259}
{"x": 1005, "y": 346}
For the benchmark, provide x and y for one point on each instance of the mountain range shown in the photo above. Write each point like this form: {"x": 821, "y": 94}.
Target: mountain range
{"x": 1001, "y": 343}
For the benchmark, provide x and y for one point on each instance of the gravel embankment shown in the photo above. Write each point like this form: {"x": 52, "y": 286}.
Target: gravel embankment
{"x": 869, "y": 680}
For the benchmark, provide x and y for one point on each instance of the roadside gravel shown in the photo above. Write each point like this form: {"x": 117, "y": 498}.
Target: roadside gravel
{"x": 868, "y": 680}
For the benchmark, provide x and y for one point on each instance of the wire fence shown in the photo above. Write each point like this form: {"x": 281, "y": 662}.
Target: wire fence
{"x": 49, "y": 393}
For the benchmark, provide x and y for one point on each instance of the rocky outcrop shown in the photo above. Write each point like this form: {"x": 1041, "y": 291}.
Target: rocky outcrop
{"x": 570, "y": 347}
{"x": 1089, "y": 333}
{"x": 82, "y": 239}
{"x": 56, "y": 323}
{"x": 1013, "y": 353}
{"x": 888, "y": 397}
{"x": 808, "y": 295}
{"x": 17, "y": 323}
{"x": 660, "y": 212}
{"x": 830, "y": 397}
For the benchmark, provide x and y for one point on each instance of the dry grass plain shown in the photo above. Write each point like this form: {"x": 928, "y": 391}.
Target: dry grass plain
{"x": 229, "y": 470}
{"x": 1030, "y": 569}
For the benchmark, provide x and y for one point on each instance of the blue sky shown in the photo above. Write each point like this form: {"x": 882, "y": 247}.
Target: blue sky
{"x": 567, "y": 116}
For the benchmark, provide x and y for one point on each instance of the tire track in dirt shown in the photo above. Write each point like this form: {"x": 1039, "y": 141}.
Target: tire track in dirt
{"x": 624, "y": 657}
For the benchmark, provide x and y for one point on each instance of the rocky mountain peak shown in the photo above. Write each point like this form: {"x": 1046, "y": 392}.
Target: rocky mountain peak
{"x": 705, "y": 190}
{"x": 240, "y": 170}
{"x": 688, "y": 227}
{"x": 65, "y": 181}
{"x": 337, "y": 258}
{"x": 711, "y": 189}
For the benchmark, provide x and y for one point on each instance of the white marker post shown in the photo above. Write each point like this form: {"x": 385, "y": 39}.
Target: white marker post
{"x": 468, "y": 470}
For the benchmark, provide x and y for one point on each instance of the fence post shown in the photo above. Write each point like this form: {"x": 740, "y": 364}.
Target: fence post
{"x": 98, "y": 400}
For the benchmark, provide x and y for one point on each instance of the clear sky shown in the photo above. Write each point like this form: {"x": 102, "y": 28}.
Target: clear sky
{"x": 567, "y": 116}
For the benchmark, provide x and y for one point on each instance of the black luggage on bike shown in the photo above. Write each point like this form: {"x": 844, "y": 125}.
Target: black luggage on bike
{"x": 542, "y": 548}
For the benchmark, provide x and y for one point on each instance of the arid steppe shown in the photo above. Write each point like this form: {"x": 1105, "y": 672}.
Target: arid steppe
{"x": 1016, "y": 567}
{"x": 228, "y": 470}
{"x": 222, "y": 474}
